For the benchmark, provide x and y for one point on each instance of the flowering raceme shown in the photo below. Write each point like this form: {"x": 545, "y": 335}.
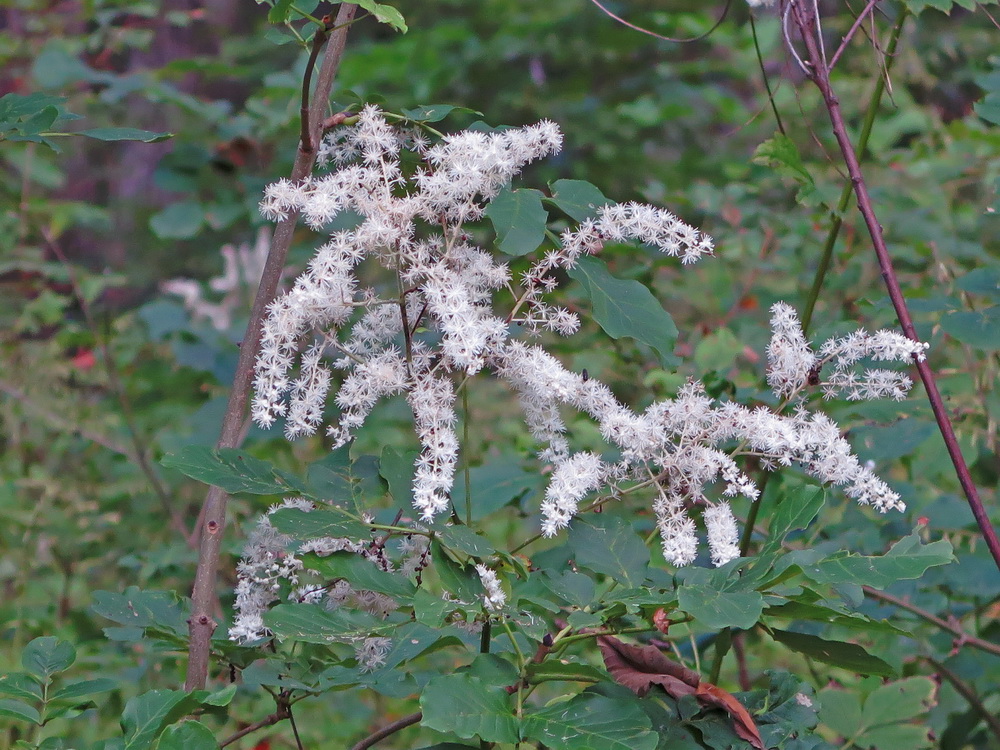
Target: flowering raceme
{"x": 443, "y": 324}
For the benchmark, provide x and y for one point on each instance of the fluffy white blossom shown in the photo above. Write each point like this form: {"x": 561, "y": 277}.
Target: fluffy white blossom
{"x": 451, "y": 310}
{"x": 494, "y": 598}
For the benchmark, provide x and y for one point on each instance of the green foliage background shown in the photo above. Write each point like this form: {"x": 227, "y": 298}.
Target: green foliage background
{"x": 102, "y": 374}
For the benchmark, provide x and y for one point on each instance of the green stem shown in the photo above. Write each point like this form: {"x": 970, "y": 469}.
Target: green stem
{"x": 845, "y": 195}
{"x": 722, "y": 643}
{"x": 763, "y": 73}
{"x": 465, "y": 443}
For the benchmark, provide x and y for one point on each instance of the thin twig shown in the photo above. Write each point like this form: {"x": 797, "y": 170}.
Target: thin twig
{"x": 820, "y": 75}
{"x": 962, "y": 638}
{"x": 647, "y": 32}
{"x": 850, "y": 32}
{"x": 284, "y": 712}
{"x": 387, "y": 730}
{"x": 968, "y": 693}
{"x": 845, "y": 196}
{"x": 201, "y": 624}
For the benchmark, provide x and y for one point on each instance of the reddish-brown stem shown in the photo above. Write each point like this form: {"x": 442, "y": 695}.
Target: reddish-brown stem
{"x": 962, "y": 638}
{"x": 284, "y": 711}
{"x": 387, "y": 730}
{"x": 213, "y": 519}
{"x": 820, "y": 75}
{"x": 851, "y": 32}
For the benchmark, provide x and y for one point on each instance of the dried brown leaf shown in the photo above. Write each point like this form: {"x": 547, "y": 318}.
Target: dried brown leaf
{"x": 712, "y": 695}
{"x": 640, "y": 667}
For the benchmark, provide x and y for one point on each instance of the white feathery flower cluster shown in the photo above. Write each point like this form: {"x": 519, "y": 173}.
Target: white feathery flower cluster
{"x": 440, "y": 326}
{"x": 446, "y": 284}
{"x": 494, "y": 598}
{"x": 723, "y": 533}
{"x": 272, "y": 561}
{"x": 792, "y": 365}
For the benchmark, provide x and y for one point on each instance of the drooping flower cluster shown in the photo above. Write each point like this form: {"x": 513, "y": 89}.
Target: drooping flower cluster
{"x": 442, "y": 324}
{"x": 272, "y": 565}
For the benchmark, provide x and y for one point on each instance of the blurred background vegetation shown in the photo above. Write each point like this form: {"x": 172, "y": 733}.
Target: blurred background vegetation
{"x": 102, "y": 372}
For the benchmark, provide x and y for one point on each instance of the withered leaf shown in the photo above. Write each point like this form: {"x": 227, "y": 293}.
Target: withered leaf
{"x": 712, "y": 695}
{"x": 639, "y": 668}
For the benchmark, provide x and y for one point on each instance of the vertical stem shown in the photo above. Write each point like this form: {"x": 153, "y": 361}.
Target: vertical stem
{"x": 465, "y": 442}
{"x": 845, "y": 195}
{"x": 213, "y": 519}
{"x": 821, "y": 77}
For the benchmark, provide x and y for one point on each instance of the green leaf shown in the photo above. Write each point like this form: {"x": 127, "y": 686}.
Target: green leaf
{"x": 233, "y": 470}
{"x": 717, "y": 351}
{"x": 146, "y": 715}
{"x": 468, "y": 707}
{"x": 330, "y": 477}
{"x": 315, "y": 524}
{"x": 795, "y": 512}
{"x": 590, "y": 720}
{"x": 385, "y": 14}
{"x": 549, "y": 670}
{"x": 125, "y": 134}
{"x": 315, "y": 624}
{"x": 782, "y": 155}
{"x": 908, "y": 558}
{"x": 849, "y": 656}
{"x": 178, "y": 221}
{"x": 435, "y": 112}
{"x": 20, "y": 685}
{"x": 84, "y": 687}
{"x": 466, "y": 540}
{"x": 362, "y": 574}
{"x": 984, "y": 281}
{"x": 44, "y": 657}
{"x": 610, "y": 546}
{"x": 518, "y": 219}
{"x": 979, "y": 328}
{"x": 460, "y": 581}
{"x": 715, "y": 609}
{"x": 142, "y": 609}
{"x": 575, "y": 588}
{"x": 626, "y": 308}
{"x": 494, "y": 486}
{"x": 188, "y": 735}
{"x": 279, "y": 11}
{"x": 885, "y": 721}
{"x": 17, "y": 710}
{"x": 578, "y": 199}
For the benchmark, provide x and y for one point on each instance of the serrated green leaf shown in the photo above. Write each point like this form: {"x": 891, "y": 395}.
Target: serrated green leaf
{"x": 362, "y": 573}
{"x": 16, "y": 709}
{"x": 578, "y": 199}
{"x": 610, "y": 546}
{"x": 589, "y": 720}
{"x": 886, "y": 718}
{"x": 234, "y": 471}
{"x": 906, "y": 559}
{"x": 125, "y": 134}
{"x": 315, "y": 524}
{"x": 518, "y": 219}
{"x": 188, "y": 735}
{"x": 44, "y": 657}
{"x": 465, "y": 706}
{"x": 715, "y": 609}
{"x": 626, "y": 309}
{"x": 782, "y": 155}
{"x": 330, "y": 478}
{"x": 460, "y": 581}
{"x": 849, "y": 656}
